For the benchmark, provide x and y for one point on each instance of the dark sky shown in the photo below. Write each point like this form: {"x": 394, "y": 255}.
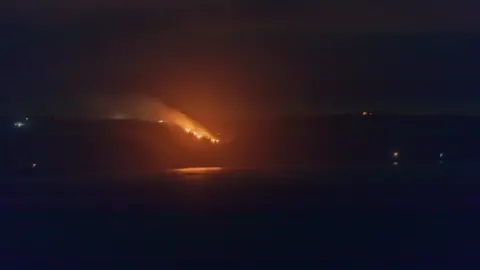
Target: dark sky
{"x": 229, "y": 58}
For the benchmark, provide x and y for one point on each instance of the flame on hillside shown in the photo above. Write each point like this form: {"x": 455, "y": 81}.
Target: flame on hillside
{"x": 189, "y": 125}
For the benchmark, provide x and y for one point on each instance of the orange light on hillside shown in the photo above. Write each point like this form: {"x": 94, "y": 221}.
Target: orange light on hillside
{"x": 187, "y": 124}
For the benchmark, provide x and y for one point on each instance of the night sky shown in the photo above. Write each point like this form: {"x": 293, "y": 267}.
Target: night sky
{"x": 221, "y": 60}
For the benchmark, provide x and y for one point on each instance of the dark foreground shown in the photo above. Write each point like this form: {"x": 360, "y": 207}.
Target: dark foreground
{"x": 337, "y": 218}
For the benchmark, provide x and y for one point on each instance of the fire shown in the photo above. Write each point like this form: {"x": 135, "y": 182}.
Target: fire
{"x": 202, "y": 135}
{"x": 189, "y": 126}
{"x": 172, "y": 116}
{"x": 148, "y": 109}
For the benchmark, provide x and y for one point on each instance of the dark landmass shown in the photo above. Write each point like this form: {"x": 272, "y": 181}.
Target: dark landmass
{"x": 100, "y": 146}
{"x": 129, "y": 146}
{"x": 347, "y": 140}
{"x": 283, "y": 215}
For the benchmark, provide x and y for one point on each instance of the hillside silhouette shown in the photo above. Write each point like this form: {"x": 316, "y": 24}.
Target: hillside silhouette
{"x": 131, "y": 146}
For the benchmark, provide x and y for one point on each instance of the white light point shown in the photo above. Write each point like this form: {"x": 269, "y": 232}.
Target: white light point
{"x": 18, "y": 124}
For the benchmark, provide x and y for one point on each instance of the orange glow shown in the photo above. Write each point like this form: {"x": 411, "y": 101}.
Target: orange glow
{"x": 201, "y": 135}
{"x": 197, "y": 170}
{"x": 190, "y": 126}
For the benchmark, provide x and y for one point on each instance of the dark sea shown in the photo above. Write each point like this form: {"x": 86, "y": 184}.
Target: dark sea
{"x": 364, "y": 217}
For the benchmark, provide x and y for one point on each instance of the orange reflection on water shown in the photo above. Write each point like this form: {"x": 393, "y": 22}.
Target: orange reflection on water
{"x": 197, "y": 170}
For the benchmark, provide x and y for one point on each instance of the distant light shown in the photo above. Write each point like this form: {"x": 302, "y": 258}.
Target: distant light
{"x": 364, "y": 113}
{"x": 26, "y": 118}
{"x": 395, "y": 154}
{"x": 395, "y": 163}
{"x": 441, "y": 155}
{"x": 160, "y": 121}
{"x": 188, "y": 130}
{"x": 34, "y": 165}
{"x": 19, "y": 124}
